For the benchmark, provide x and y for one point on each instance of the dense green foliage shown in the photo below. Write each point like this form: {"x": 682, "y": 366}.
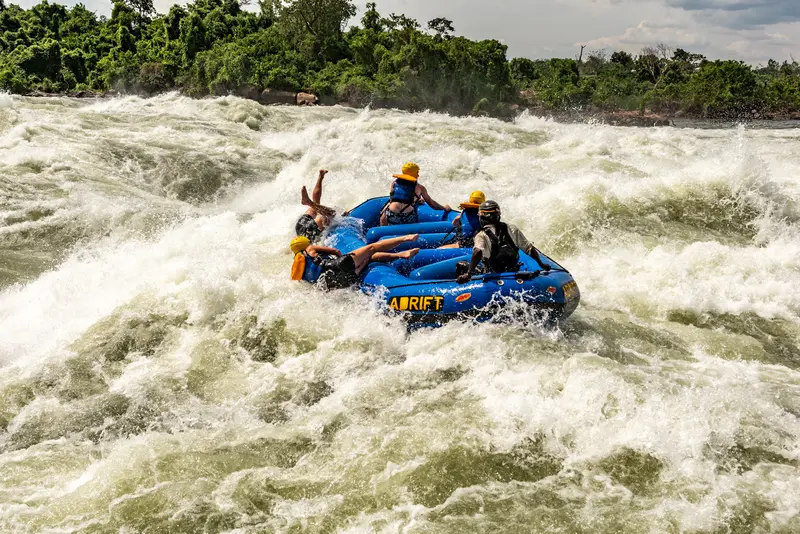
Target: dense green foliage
{"x": 216, "y": 47}
{"x": 663, "y": 81}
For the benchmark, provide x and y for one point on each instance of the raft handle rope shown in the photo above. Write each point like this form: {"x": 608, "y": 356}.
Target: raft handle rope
{"x": 520, "y": 275}
{"x": 441, "y": 241}
{"x": 553, "y": 271}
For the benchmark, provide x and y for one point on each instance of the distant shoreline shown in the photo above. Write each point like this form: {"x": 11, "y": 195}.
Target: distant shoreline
{"x": 613, "y": 118}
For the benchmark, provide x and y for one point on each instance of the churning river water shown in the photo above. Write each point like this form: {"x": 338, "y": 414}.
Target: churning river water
{"x": 159, "y": 372}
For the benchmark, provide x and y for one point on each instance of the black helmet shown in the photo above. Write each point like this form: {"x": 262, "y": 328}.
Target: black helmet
{"x": 307, "y": 227}
{"x": 490, "y": 205}
{"x": 489, "y": 213}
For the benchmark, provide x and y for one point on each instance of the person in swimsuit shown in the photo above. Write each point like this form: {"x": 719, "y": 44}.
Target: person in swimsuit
{"x": 334, "y": 270}
{"x": 405, "y": 197}
{"x": 317, "y": 217}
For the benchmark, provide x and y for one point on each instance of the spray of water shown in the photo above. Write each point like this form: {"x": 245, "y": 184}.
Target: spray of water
{"x": 159, "y": 372}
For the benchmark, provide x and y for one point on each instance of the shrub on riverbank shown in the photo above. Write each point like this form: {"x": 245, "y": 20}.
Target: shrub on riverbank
{"x": 216, "y": 47}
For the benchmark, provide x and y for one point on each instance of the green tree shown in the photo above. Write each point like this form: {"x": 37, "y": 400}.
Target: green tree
{"x": 524, "y": 71}
{"x": 193, "y": 35}
{"x": 400, "y": 22}
{"x": 42, "y": 59}
{"x": 722, "y": 86}
{"x": 321, "y": 18}
{"x": 442, "y": 27}
{"x": 623, "y": 58}
{"x": 144, "y": 8}
{"x": 371, "y": 20}
{"x": 594, "y": 62}
{"x": 173, "y": 21}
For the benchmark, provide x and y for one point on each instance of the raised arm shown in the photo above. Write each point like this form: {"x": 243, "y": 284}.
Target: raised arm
{"x": 526, "y": 246}
{"x": 325, "y": 250}
{"x": 423, "y": 191}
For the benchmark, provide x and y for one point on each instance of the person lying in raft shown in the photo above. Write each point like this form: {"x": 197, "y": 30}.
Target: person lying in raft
{"x": 497, "y": 244}
{"x": 405, "y": 196}
{"x": 317, "y": 217}
{"x": 327, "y": 265}
{"x": 467, "y": 223}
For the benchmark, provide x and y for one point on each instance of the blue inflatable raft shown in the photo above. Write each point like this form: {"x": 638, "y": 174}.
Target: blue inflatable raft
{"x": 424, "y": 287}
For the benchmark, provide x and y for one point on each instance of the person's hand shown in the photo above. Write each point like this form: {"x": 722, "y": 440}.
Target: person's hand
{"x": 447, "y": 208}
{"x": 463, "y": 278}
{"x": 544, "y": 267}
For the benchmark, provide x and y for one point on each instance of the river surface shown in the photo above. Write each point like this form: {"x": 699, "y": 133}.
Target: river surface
{"x": 159, "y": 372}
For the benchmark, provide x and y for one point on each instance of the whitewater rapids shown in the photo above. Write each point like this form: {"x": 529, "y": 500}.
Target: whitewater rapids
{"x": 159, "y": 372}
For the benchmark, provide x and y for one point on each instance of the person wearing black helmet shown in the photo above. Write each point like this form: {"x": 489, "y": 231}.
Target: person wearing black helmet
{"x": 497, "y": 244}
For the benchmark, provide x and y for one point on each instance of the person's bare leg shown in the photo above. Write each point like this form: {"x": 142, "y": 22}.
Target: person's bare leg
{"x": 386, "y": 245}
{"x": 305, "y": 200}
{"x": 384, "y": 257}
{"x": 316, "y": 195}
{"x": 364, "y": 254}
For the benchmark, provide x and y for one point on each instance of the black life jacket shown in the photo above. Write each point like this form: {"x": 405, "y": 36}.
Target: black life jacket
{"x": 504, "y": 257}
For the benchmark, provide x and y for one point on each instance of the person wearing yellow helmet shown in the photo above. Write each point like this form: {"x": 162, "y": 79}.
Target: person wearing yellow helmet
{"x": 405, "y": 196}
{"x": 332, "y": 269}
{"x": 317, "y": 217}
{"x": 467, "y": 223}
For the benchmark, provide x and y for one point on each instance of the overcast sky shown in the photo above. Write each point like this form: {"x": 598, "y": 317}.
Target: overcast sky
{"x": 750, "y": 30}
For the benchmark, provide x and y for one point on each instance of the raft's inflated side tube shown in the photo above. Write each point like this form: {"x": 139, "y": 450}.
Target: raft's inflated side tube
{"x": 424, "y": 287}
{"x": 382, "y": 232}
{"x": 347, "y": 235}
{"x": 426, "y": 241}
{"x": 442, "y": 270}
{"x": 429, "y": 257}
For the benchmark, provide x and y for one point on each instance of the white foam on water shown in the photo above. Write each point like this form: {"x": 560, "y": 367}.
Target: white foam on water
{"x": 650, "y": 222}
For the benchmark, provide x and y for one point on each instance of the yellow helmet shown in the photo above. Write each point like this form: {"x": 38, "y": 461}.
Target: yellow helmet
{"x": 410, "y": 172}
{"x": 299, "y": 244}
{"x": 476, "y": 198}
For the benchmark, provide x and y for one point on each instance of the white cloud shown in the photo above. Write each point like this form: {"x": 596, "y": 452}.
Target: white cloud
{"x": 646, "y": 34}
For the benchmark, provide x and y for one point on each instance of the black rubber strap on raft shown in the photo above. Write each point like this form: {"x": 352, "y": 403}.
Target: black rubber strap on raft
{"x": 441, "y": 242}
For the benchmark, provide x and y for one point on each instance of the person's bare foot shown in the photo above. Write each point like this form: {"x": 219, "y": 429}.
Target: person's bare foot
{"x": 408, "y": 254}
{"x": 411, "y": 237}
{"x": 322, "y": 173}
{"x": 305, "y": 200}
